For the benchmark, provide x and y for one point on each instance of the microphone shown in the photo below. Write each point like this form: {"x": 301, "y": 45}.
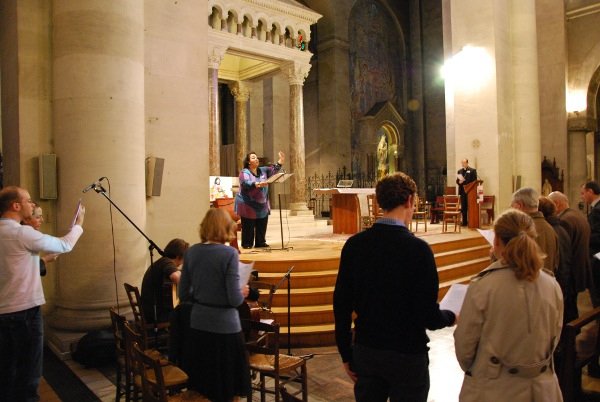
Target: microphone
{"x": 93, "y": 185}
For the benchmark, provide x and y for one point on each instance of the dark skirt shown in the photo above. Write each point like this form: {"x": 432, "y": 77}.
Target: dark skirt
{"x": 217, "y": 364}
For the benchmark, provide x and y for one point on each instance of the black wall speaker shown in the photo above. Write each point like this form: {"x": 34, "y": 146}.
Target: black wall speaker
{"x": 154, "y": 175}
{"x": 47, "y": 172}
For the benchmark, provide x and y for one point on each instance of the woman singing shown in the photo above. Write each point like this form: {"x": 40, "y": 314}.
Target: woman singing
{"x": 510, "y": 321}
{"x": 215, "y": 355}
{"x": 252, "y": 202}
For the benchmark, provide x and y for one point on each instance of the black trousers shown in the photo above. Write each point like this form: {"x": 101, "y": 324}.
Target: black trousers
{"x": 464, "y": 203}
{"x": 254, "y": 231}
{"x": 384, "y": 374}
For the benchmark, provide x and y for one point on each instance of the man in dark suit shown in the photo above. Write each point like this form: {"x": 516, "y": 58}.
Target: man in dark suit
{"x": 467, "y": 175}
{"x": 590, "y": 193}
{"x": 577, "y": 227}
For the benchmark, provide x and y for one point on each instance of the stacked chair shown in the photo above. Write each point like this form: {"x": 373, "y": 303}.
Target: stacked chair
{"x": 452, "y": 213}
{"x": 267, "y": 362}
{"x": 174, "y": 379}
{"x": 153, "y": 334}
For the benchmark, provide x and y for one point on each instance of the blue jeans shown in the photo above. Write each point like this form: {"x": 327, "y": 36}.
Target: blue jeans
{"x": 21, "y": 355}
{"x": 384, "y": 374}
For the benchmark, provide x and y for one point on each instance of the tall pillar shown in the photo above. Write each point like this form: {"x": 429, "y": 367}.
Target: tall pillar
{"x": 98, "y": 127}
{"x": 297, "y": 73}
{"x": 528, "y": 145}
{"x": 578, "y": 127}
{"x": 241, "y": 93}
{"x": 215, "y": 57}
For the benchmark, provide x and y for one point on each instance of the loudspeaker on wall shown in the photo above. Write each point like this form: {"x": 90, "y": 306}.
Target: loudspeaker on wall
{"x": 47, "y": 173}
{"x": 154, "y": 175}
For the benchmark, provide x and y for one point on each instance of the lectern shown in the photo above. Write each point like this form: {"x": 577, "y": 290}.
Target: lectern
{"x": 472, "y": 206}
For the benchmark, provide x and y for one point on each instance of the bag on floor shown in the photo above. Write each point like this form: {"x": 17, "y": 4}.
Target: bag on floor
{"x": 95, "y": 349}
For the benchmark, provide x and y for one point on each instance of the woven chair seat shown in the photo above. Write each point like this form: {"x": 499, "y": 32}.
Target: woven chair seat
{"x": 266, "y": 362}
{"x": 173, "y": 375}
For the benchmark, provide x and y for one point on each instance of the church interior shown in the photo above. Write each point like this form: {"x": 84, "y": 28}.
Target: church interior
{"x": 153, "y": 100}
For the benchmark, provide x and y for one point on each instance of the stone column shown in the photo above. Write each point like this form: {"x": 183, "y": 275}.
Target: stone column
{"x": 215, "y": 57}
{"x": 578, "y": 127}
{"x": 526, "y": 119}
{"x": 98, "y": 127}
{"x": 297, "y": 73}
{"x": 241, "y": 93}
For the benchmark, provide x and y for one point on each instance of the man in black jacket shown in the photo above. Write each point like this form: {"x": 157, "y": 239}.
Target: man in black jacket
{"x": 590, "y": 193}
{"x": 388, "y": 279}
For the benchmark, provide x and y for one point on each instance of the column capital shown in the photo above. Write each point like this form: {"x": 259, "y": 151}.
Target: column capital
{"x": 296, "y": 72}
{"x": 215, "y": 56}
{"x": 578, "y": 121}
{"x": 240, "y": 91}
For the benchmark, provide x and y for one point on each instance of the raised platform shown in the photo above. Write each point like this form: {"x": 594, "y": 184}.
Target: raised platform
{"x": 315, "y": 251}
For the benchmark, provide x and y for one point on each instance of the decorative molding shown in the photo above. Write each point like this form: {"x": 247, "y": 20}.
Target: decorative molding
{"x": 333, "y": 43}
{"x": 240, "y": 91}
{"x": 296, "y": 72}
{"x": 583, "y": 11}
{"x": 270, "y": 7}
{"x": 581, "y": 123}
{"x": 215, "y": 56}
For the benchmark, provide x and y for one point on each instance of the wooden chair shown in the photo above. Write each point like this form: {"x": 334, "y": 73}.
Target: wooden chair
{"x": 437, "y": 210}
{"x": 153, "y": 334}
{"x": 451, "y": 213}
{"x": 579, "y": 347}
{"x": 152, "y": 376}
{"x": 118, "y": 327}
{"x": 286, "y": 396}
{"x": 487, "y": 208}
{"x": 420, "y": 213}
{"x": 265, "y": 359}
{"x": 174, "y": 378}
{"x": 265, "y": 300}
{"x": 374, "y": 211}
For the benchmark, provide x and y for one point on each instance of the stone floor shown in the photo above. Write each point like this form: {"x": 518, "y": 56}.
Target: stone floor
{"x": 327, "y": 380}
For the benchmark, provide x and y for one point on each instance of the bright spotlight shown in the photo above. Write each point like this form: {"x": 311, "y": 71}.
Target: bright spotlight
{"x": 469, "y": 69}
{"x": 576, "y": 100}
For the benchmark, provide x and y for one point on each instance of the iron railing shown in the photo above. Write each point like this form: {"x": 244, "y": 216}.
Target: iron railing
{"x": 320, "y": 204}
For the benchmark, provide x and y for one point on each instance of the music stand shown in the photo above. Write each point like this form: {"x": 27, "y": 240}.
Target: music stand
{"x": 280, "y": 178}
{"x": 287, "y": 276}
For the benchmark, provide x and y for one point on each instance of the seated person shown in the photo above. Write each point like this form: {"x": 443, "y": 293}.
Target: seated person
{"x": 157, "y": 295}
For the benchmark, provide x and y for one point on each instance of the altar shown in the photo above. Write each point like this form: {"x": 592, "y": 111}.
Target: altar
{"x": 347, "y": 207}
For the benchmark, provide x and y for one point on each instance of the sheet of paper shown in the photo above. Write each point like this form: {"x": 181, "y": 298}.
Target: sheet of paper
{"x": 487, "y": 234}
{"x": 597, "y": 255}
{"x": 460, "y": 177}
{"x": 275, "y": 177}
{"x": 245, "y": 271}
{"x": 454, "y": 298}
{"x": 76, "y": 213}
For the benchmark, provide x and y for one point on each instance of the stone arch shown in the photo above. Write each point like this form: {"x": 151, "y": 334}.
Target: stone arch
{"x": 593, "y": 95}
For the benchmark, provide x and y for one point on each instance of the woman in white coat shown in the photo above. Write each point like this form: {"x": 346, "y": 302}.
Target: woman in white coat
{"x": 510, "y": 321}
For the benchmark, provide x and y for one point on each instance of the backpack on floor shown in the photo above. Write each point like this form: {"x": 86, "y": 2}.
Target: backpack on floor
{"x": 95, "y": 349}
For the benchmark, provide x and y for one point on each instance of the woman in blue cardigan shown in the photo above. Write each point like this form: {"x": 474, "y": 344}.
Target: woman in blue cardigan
{"x": 252, "y": 202}
{"x": 215, "y": 354}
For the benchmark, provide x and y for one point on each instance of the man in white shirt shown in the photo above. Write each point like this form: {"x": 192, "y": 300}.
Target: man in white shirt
{"x": 21, "y": 293}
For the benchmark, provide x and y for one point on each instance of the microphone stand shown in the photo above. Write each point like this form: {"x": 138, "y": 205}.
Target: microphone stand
{"x": 281, "y": 179}
{"x": 287, "y": 276}
{"x": 152, "y": 246}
